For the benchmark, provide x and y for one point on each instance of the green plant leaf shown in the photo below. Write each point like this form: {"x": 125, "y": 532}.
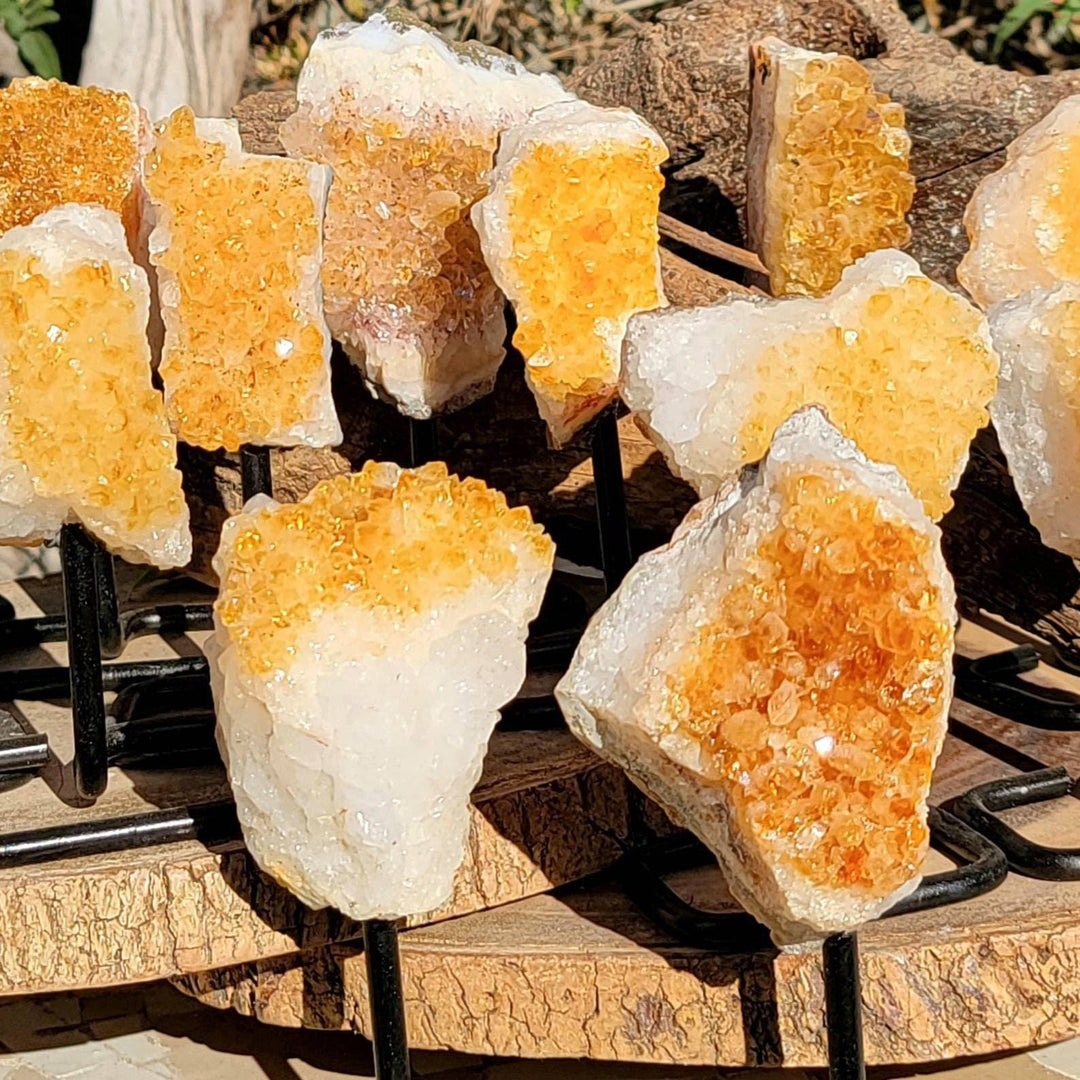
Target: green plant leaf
{"x": 39, "y": 54}
{"x": 1019, "y": 14}
{"x": 38, "y": 13}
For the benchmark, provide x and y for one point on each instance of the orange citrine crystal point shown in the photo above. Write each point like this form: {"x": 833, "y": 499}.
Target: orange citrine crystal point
{"x": 66, "y": 144}
{"x": 828, "y": 178}
{"x": 237, "y": 244}
{"x": 83, "y": 434}
{"x": 569, "y": 230}
{"x": 779, "y": 678}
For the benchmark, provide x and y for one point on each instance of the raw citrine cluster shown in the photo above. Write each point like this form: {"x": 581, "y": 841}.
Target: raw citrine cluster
{"x": 887, "y": 373}
{"x": 394, "y": 548}
{"x": 242, "y": 357}
{"x": 584, "y": 239}
{"x": 841, "y": 183}
{"x": 79, "y": 409}
{"x": 401, "y": 256}
{"x": 65, "y": 144}
{"x": 824, "y": 741}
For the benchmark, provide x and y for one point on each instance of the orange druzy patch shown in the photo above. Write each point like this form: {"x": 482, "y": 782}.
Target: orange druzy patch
{"x": 243, "y": 359}
{"x": 815, "y": 691}
{"x": 65, "y": 144}
{"x": 396, "y": 548}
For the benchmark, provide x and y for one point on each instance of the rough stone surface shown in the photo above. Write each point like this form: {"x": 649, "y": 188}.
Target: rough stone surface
{"x": 84, "y": 436}
{"x": 365, "y": 639}
{"x": 886, "y": 350}
{"x": 407, "y": 292}
{"x": 756, "y": 677}
{"x": 569, "y": 230}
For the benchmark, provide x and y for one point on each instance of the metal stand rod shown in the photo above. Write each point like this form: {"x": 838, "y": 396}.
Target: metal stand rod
{"x": 423, "y": 441}
{"x": 843, "y": 1007}
{"x": 255, "y": 477}
{"x": 109, "y": 625}
{"x": 388, "y": 1035}
{"x": 615, "y": 553}
{"x": 79, "y": 562}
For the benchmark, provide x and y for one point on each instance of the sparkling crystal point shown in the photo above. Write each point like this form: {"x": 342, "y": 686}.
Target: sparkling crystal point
{"x": 569, "y": 230}
{"x": 83, "y": 434}
{"x": 364, "y": 640}
{"x": 1037, "y": 410}
{"x": 778, "y": 678}
{"x": 827, "y": 166}
{"x": 409, "y": 124}
{"x": 237, "y": 244}
{"x": 1023, "y": 221}
{"x": 887, "y": 351}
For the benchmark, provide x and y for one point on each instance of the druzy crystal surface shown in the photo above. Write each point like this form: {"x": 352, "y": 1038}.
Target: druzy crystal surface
{"x": 778, "y": 677}
{"x": 66, "y": 144}
{"x": 827, "y": 178}
{"x": 904, "y": 367}
{"x": 1023, "y": 220}
{"x": 83, "y": 434}
{"x": 237, "y": 243}
{"x": 410, "y": 124}
{"x": 1037, "y": 410}
{"x": 364, "y": 640}
{"x": 569, "y": 230}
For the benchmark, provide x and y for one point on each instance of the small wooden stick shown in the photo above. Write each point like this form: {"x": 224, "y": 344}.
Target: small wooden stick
{"x": 674, "y": 229}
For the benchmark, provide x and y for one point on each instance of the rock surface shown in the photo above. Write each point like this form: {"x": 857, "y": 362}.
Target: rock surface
{"x": 410, "y": 125}
{"x": 778, "y": 678}
{"x": 888, "y": 350}
{"x": 84, "y": 436}
{"x": 237, "y": 243}
{"x": 568, "y": 228}
{"x": 364, "y": 641}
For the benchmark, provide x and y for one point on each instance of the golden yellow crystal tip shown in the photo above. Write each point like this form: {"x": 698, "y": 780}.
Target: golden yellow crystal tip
{"x": 827, "y": 169}
{"x": 569, "y": 230}
{"x": 365, "y": 639}
{"x": 1023, "y": 220}
{"x": 237, "y": 244}
{"x": 66, "y": 144}
{"x": 888, "y": 351}
{"x": 83, "y": 434}
{"x": 409, "y": 125}
{"x": 779, "y": 676}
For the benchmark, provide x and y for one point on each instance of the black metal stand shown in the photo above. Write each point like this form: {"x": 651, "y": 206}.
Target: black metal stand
{"x": 78, "y": 556}
{"x": 993, "y": 683}
{"x": 616, "y": 555}
{"x": 388, "y": 1034}
{"x": 843, "y": 1006}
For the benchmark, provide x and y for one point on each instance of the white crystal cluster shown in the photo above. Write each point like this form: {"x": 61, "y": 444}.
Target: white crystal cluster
{"x": 353, "y": 766}
{"x": 643, "y": 634}
{"x": 412, "y": 85}
{"x": 64, "y": 239}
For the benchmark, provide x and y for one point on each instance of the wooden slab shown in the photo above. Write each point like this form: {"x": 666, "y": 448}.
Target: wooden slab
{"x": 583, "y": 973}
{"x": 546, "y": 812}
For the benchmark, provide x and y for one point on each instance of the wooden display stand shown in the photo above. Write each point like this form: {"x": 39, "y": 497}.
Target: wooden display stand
{"x": 583, "y": 973}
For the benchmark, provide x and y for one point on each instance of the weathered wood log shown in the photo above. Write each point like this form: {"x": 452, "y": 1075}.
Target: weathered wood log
{"x": 584, "y": 973}
{"x": 167, "y": 53}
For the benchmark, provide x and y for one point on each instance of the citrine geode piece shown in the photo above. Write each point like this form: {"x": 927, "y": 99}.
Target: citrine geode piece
{"x": 68, "y": 144}
{"x": 83, "y": 434}
{"x": 1037, "y": 409}
{"x": 237, "y": 244}
{"x": 1023, "y": 221}
{"x": 904, "y": 367}
{"x": 827, "y": 167}
{"x": 569, "y": 229}
{"x": 778, "y": 678}
{"x": 364, "y": 640}
{"x": 410, "y": 124}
